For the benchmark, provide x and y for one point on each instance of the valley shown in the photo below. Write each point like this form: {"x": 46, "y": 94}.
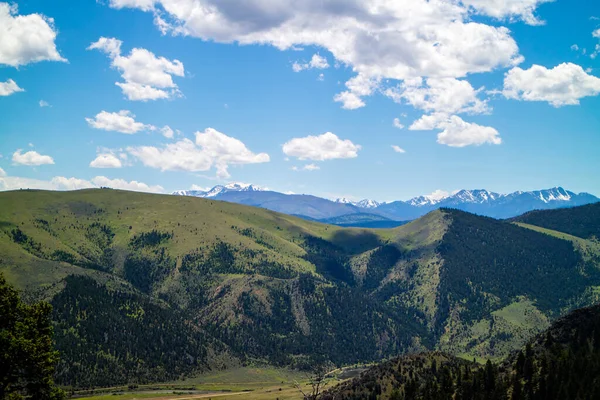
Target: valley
{"x": 154, "y": 288}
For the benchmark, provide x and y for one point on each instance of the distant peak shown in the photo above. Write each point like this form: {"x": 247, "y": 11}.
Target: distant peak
{"x": 220, "y": 189}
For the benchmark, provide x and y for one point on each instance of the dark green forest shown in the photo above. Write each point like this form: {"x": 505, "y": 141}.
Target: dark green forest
{"x": 27, "y": 355}
{"x": 583, "y": 222}
{"x": 562, "y": 363}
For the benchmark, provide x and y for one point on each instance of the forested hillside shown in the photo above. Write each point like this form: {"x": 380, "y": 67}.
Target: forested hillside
{"x": 563, "y": 362}
{"x": 583, "y": 222}
{"x": 134, "y": 276}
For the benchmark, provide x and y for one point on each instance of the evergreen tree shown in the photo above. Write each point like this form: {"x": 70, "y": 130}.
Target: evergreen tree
{"x": 27, "y": 356}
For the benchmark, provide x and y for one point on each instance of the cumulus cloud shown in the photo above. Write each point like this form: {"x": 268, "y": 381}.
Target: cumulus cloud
{"x": 210, "y": 149}
{"x": 31, "y": 158}
{"x": 398, "y": 149}
{"x": 508, "y": 9}
{"x": 398, "y": 124}
{"x": 64, "y": 183}
{"x": 167, "y": 132}
{"x": 438, "y": 195}
{"x": 358, "y": 87}
{"x": 122, "y": 121}
{"x": 2, "y": 173}
{"x": 320, "y": 148}
{"x": 26, "y": 39}
{"x": 9, "y": 87}
{"x": 456, "y": 132}
{"x": 444, "y": 95}
{"x": 106, "y": 160}
{"x": 146, "y": 76}
{"x": 565, "y": 84}
{"x": 44, "y": 103}
{"x": 135, "y": 186}
{"x": 316, "y": 61}
{"x": 378, "y": 40}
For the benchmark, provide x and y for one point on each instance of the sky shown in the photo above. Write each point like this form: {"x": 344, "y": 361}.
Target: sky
{"x": 379, "y": 99}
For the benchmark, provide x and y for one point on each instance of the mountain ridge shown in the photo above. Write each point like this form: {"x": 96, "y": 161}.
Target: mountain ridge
{"x": 268, "y": 287}
{"x": 480, "y": 201}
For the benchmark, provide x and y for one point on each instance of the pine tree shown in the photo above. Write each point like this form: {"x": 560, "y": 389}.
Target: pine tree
{"x": 27, "y": 356}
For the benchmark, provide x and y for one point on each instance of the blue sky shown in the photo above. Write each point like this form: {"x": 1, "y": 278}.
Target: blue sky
{"x": 301, "y": 98}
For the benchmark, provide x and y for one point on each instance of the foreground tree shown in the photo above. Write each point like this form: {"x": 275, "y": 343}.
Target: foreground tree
{"x": 27, "y": 356}
{"x": 317, "y": 380}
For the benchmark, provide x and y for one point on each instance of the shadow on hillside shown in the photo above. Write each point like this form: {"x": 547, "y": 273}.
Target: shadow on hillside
{"x": 355, "y": 241}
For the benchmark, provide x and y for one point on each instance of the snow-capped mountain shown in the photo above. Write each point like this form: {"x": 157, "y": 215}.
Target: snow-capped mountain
{"x": 482, "y": 202}
{"x": 343, "y": 200}
{"x": 472, "y": 196}
{"x": 220, "y": 189}
{"x": 366, "y": 203}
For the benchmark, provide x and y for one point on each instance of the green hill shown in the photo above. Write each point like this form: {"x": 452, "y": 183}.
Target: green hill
{"x": 562, "y": 362}
{"x": 583, "y": 222}
{"x": 126, "y": 271}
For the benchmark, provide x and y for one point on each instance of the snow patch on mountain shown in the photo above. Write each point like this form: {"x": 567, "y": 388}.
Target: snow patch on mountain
{"x": 220, "y": 189}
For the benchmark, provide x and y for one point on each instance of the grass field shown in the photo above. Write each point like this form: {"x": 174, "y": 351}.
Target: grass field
{"x": 239, "y": 383}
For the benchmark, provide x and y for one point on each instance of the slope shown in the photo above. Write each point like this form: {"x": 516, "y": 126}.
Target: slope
{"x": 563, "y": 362}
{"x": 247, "y": 285}
{"x": 583, "y": 222}
{"x": 251, "y": 283}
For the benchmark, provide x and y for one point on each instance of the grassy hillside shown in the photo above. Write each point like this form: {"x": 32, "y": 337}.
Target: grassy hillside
{"x": 244, "y": 285}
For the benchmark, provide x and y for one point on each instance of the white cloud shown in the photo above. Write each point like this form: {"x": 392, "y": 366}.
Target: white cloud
{"x": 508, "y": 9}
{"x": 456, "y": 132}
{"x": 44, "y": 103}
{"x": 321, "y": 77}
{"x": 320, "y": 148}
{"x": 26, "y": 39}
{"x": 147, "y": 77}
{"x": 307, "y": 167}
{"x": 438, "y": 195}
{"x": 445, "y": 95}
{"x": 349, "y": 100}
{"x": 167, "y": 132}
{"x": 359, "y": 86}
{"x": 102, "y": 181}
{"x": 398, "y": 124}
{"x": 31, "y": 158}
{"x": 106, "y": 160}
{"x": 110, "y": 46}
{"x": 377, "y": 39}
{"x": 63, "y": 183}
{"x": 122, "y": 121}
{"x": 563, "y": 85}
{"x": 9, "y": 87}
{"x": 596, "y": 51}
{"x": 428, "y": 122}
{"x": 200, "y": 188}
{"x": 575, "y": 47}
{"x": 316, "y": 61}
{"x": 398, "y": 149}
{"x": 2, "y": 173}
{"x": 211, "y": 149}
{"x": 311, "y": 167}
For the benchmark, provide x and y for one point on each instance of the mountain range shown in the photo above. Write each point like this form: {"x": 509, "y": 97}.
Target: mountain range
{"x": 481, "y": 202}
{"x": 149, "y": 288}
